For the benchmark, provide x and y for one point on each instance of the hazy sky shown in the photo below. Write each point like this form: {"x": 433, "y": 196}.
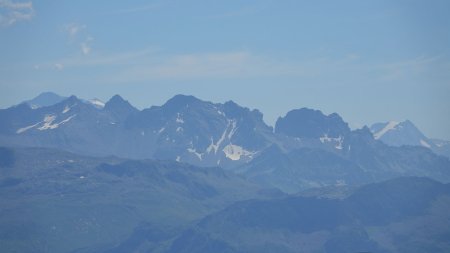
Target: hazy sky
{"x": 367, "y": 60}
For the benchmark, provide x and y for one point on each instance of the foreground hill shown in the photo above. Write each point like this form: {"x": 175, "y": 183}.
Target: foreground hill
{"x": 54, "y": 201}
{"x": 401, "y": 215}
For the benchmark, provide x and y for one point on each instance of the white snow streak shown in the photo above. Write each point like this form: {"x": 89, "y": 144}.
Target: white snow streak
{"x": 193, "y": 151}
{"x": 226, "y": 133}
{"x": 23, "y": 129}
{"x": 425, "y": 144}
{"x": 66, "y": 109}
{"x": 389, "y": 126}
{"x": 48, "y": 120}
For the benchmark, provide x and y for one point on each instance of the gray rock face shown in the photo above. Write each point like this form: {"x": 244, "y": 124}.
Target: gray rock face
{"x": 307, "y": 149}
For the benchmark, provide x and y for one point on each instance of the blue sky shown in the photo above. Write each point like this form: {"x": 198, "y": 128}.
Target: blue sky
{"x": 369, "y": 61}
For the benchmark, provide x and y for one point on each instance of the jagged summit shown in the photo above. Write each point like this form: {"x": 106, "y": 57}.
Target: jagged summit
{"x": 309, "y": 123}
{"x": 179, "y": 101}
{"x": 119, "y": 107}
{"x": 190, "y": 130}
{"x": 398, "y": 133}
{"x": 116, "y": 101}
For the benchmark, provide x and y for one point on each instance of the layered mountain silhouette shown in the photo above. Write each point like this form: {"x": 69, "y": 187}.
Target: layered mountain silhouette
{"x": 196, "y": 176}
{"x": 55, "y": 201}
{"x": 306, "y": 148}
{"x": 396, "y": 133}
{"x": 401, "y": 215}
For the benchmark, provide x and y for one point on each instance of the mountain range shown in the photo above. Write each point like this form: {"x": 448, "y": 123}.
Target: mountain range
{"x": 305, "y": 149}
{"x": 82, "y": 176}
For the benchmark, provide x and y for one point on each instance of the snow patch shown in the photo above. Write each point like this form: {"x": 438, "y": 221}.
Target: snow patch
{"x": 48, "y": 122}
{"x": 193, "y": 151}
{"x": 389, "y": 126}
{"x": 97, "y": 103}
{"x": 179, "y": 119}
{"x": 340, "y": 182}
{"x": 325, "y": 138}
{"x": 234, "y": 152}
{"x": 425, "y": 144}
{"x": 23, "y": 129}
{"x": 338, "y": 141}
{"x": 226, "y": 133}
{"x": 66, "y": 109}
{"x": 233, "y": 129}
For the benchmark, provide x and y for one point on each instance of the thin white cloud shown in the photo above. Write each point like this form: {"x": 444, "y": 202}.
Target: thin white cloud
{"x": 153, "y": 64}
{"x": 101, "y": 60}
{"x": 98, "y": 60}
{"x": 13, "y": 12}
{"x": 86, "y": 46}
{"x": 208, "y": 65}
{"x": 59, "y": 66}
{"x": 73, "y": 29}
{"x": 77, "y": 34}
{"x": 243, "y": 10}
{"x": 408, "y": 68}
{"x": 138, "y": 9}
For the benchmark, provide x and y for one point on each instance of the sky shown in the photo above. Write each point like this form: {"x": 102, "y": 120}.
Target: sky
{"x": 369, "y": 61}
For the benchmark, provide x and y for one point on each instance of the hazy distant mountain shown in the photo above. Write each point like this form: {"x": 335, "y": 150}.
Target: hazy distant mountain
{"x": 51, "y": 200}
{"x": 349, "y": 158}
{"x": 400, "y": 133}
{"x": 191, "y": 130}
{"x": 307, "y": 148}
{"x": 396, "y": 133}
{"x": 402, "y": 215}
{"x": 308, "y": 123}
{"x": 50, "y": 98}
{"x": 183, "y": 129}
{"x": 45, "y": 99}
